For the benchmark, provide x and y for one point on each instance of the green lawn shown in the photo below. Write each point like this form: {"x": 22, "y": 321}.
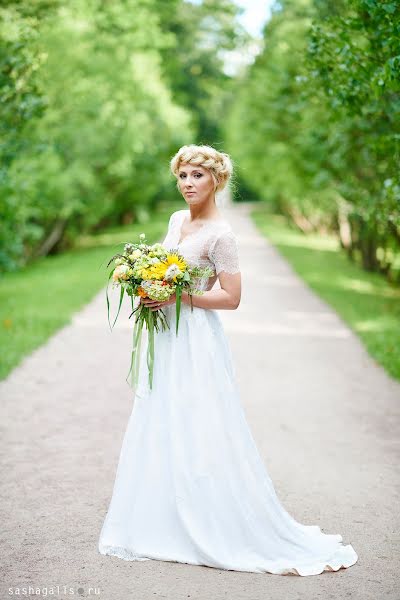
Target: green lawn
{"x": 366, "y": 301}
{"x": 36, "y": 301}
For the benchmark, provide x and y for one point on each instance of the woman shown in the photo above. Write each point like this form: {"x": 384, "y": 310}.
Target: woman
{"x": 191, "y": 486}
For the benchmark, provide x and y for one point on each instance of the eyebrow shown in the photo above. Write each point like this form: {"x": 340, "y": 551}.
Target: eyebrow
{"x": 198, "y": 170}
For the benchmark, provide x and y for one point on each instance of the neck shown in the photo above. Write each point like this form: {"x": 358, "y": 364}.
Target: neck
{"x": 204, "y": 211}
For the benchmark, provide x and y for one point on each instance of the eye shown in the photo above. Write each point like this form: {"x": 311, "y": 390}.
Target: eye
{"x": 196, "y": 174}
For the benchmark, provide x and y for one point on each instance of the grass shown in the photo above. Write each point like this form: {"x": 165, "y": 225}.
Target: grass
{"x": 40, "y": 299}
{"x": 366, "y": 301}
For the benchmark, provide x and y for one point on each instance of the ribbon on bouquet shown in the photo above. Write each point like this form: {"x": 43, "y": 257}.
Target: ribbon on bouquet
{"x": 152, "y": 321}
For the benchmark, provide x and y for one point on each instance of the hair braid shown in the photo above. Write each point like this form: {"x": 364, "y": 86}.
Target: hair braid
{"x": 218, "y": 163}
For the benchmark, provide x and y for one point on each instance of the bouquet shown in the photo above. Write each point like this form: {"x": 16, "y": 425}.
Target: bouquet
{"x": 151, "y": 271}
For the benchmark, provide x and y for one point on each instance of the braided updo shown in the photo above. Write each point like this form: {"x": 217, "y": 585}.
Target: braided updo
{"x": 218, "y": 163}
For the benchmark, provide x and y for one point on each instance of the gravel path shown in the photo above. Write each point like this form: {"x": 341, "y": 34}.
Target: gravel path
{"x": 324, "y": 416}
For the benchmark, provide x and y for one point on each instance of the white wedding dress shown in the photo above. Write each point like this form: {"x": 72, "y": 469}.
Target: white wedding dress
{"x": 191, "y": 486}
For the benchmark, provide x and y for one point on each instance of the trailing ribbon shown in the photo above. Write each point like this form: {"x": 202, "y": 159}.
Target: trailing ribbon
{"x": 145, "y": 315}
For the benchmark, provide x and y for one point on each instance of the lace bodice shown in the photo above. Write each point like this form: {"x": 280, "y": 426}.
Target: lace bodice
{"x": 214, "y": 245}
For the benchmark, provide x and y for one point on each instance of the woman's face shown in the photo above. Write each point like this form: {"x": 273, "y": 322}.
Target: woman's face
{"x": 196, "y": 184}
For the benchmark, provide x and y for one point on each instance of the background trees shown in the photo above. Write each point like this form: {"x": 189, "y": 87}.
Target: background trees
{"x": 315, "y": 123}
{"x": 96, "y": 97}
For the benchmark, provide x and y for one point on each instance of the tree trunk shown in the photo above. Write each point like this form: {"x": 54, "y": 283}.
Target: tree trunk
{"x": 52, "y": 239}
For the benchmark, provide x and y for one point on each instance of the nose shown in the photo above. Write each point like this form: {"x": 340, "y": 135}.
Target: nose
{"x": 188, "y": 183}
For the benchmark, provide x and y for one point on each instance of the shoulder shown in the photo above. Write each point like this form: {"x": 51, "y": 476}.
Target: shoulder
{"x": 223, "y": 240}
{"x": 224, "y": 233}
{"x": 177, "y": 216}
{"x": 224, "y": 251}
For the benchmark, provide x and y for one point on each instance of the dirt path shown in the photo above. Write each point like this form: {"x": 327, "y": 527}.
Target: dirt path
{"x": 325, "y": 418}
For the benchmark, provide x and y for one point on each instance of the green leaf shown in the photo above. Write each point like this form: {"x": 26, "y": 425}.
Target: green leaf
{"x": 178, "y": 295}
{"x": 108, "y": 301}
{"x": 120, "y": 302}
{"x": 150, "y": 348}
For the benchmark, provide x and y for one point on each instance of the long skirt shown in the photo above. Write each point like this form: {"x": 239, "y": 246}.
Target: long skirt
{"x": 191, "y": 486}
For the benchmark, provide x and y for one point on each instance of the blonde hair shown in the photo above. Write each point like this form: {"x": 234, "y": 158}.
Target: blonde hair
{"x": 218, "y": 163}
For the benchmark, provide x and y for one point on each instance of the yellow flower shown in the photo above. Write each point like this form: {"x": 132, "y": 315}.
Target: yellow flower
{"x": 161, "y": 268}
{"x": 157, "y": 271}
{"x": 148, "y": 273}
{"x": 173, "y": 259}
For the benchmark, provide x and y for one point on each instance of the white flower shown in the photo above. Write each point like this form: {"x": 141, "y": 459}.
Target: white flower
{"x": 121, "y": 272}
{"x": 172, "y": 272}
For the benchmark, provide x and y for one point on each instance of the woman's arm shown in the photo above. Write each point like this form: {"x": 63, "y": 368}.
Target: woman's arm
{"x": 228, "y": 297}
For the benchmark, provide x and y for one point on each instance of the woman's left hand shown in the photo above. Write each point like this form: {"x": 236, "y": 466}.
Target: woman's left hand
{"x": 157, "y": 304}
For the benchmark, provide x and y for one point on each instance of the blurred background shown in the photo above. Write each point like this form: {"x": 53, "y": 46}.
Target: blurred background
{"x": 96, "y": 97}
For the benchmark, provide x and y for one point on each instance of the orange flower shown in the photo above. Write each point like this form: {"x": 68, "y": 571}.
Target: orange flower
{"x": 141, "y": 292}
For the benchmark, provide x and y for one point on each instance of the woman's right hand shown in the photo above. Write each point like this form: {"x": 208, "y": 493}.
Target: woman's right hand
{"x": 157, "y": 304}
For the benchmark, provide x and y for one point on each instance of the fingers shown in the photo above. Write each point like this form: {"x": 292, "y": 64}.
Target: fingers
{"x": 151, "y": 304}
{"x": 155, "y": 307}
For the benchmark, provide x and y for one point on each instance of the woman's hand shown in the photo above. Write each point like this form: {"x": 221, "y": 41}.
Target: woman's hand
{"x": 156, "y": 304}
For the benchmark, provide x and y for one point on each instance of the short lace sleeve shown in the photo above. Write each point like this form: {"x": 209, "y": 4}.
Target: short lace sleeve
{"x": 224, "y": 253}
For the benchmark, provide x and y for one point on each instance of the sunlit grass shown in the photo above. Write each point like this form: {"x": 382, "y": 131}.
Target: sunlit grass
{"x": 38, "y": 300}
{"x": 366, "y": 301}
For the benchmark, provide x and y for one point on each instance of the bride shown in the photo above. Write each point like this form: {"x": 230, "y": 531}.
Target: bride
{"x": 191, "y": 486}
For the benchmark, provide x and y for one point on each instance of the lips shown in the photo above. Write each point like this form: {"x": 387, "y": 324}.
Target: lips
{"x": 190, "y": 193}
